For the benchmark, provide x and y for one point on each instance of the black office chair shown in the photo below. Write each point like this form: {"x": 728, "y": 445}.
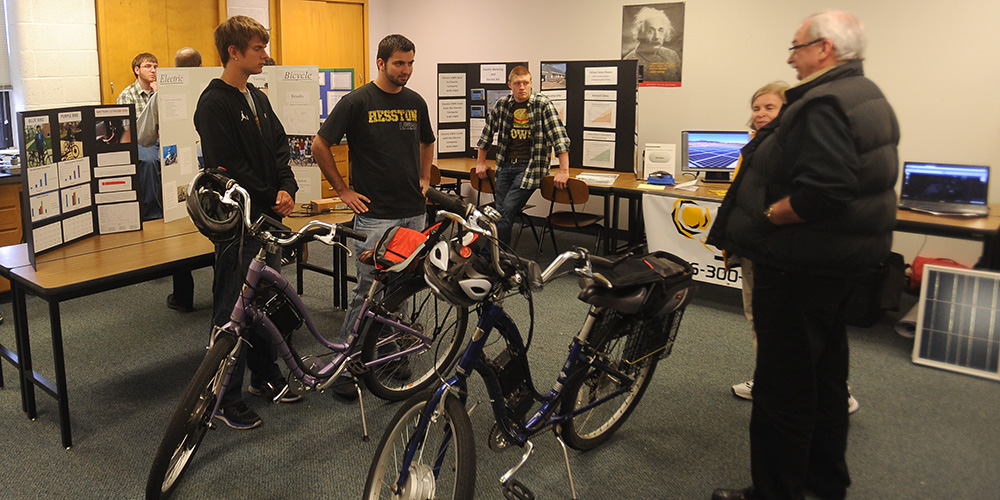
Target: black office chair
{"x": 489, "y": 187}
{"x": 576, "y": 193}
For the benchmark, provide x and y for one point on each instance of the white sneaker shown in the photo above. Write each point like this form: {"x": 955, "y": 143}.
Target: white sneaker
{"x": 742, "y": 390}
{"x": 852, "y": 404}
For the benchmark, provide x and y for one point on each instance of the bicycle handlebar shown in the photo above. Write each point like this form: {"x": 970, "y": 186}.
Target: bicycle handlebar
{"x": 472, "y": 219}
{"x": 313, "y": 229}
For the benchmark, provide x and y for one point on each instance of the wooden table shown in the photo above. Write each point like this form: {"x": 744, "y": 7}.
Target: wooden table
{"x": 458, "y": 168}
{"x": 94, "y": 265}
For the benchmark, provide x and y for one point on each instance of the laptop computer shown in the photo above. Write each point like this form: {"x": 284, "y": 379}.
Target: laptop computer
{"x": 945, "y": 189}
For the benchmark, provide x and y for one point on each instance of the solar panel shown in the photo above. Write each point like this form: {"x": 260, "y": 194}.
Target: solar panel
{"x": 958, "y": 325}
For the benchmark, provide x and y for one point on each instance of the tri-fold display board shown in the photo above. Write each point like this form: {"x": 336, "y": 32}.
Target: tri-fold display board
{"x": 79, "y": 177}
{"x": 595, "y": 99}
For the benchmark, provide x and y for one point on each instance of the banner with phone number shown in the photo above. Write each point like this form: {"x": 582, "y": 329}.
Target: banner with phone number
{"x": 680, "y": 226}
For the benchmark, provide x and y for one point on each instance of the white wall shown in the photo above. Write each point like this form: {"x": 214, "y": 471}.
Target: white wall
{"x": 936, "y": 62}
{"x": 53, "y": 51}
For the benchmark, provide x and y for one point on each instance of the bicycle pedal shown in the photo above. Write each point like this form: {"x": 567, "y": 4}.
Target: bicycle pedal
{"x": 356, "y": 367}
{"x": 516, "y": 490}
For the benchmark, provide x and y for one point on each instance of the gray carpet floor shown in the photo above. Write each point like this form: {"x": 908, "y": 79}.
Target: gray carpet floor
{"x": 921, "y": 433}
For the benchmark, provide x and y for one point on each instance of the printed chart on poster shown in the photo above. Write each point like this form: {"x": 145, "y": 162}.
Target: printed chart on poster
{"x": 73, "y": 157}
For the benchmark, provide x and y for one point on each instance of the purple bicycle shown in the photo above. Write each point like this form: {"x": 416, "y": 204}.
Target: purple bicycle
{"x": 403, "y": 340}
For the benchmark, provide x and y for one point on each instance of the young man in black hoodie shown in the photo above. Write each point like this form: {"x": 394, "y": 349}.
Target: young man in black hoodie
{"x": 241, "y": 134}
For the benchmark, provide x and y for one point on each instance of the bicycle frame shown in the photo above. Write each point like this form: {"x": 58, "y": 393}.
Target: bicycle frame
{"x": 494, "y": 317}
{"x": 244, "y": 309}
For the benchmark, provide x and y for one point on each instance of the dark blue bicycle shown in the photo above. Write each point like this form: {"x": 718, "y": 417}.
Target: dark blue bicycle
{"x": 636, "y": 304}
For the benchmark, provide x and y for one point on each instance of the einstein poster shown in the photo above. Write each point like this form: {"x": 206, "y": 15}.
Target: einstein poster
{"x": 653, "y": 34}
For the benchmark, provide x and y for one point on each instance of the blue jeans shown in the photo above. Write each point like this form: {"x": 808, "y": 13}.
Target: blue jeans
{"x": 510, "y": 198}
{"x": 374, "y": 229}
{"x": 150, "y": 182}
{"x": 231, "y": 265}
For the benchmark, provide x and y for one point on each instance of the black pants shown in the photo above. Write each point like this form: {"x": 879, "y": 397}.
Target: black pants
{"x": 798, "y": 426}
{"x": 231, "y": 265}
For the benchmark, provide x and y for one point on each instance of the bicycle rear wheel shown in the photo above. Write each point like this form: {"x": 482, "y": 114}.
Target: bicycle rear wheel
{"x": 444, "y": 323}
{"x": 444, "y": 466}
{"x": 190, "y": 421}
{"x": 587, "y": 384}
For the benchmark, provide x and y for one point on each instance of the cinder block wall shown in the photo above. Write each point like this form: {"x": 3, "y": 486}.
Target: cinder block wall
{"x": 53, "y": 53}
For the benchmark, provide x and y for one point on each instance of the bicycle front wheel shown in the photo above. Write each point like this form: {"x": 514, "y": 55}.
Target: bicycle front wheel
{"x": 588, "y": 384}
{"x": 420, "y": 309}
{"x": 444, "y": 465}
{"x": 190, "y": 421}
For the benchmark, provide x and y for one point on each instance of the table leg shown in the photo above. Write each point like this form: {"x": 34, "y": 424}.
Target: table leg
{"x": 60, "y": 367}
{"x": 23, "y": 351}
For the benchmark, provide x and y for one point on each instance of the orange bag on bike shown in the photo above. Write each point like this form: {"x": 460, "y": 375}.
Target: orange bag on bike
{"x": 397, "y": 245}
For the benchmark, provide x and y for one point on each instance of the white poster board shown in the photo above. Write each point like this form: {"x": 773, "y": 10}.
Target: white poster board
{"x": 680, "y": 226}
{"x": 292, "y": 90}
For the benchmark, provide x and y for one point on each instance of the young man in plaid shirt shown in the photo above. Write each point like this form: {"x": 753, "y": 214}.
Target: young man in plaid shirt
{"x": 528, "y": 128}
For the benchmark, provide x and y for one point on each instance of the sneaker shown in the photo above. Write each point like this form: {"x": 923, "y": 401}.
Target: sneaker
{"x": 345, "y": 388}
{"x": 852, "y": 404}
{"x": 277, "y": 392}
{"x": 238, "y": 416}
{"x": 742, "y": 390}
{"x": 171, "y": 303}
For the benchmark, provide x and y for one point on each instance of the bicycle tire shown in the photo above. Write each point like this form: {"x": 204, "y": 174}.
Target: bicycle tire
{"x": 586, "y": 384}
{"x": 389, "y": 380}
{"x": 190, "y": 421}
{"x": 449, "y": 440}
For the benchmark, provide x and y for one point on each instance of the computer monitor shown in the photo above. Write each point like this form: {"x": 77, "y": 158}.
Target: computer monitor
{"x": 716, "y": 153}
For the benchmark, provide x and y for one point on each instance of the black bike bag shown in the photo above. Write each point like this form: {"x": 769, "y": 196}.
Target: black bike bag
{"x": 653, "y": 284}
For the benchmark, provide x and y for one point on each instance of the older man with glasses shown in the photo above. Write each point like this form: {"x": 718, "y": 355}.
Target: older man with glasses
{"x": 816, "y": 208}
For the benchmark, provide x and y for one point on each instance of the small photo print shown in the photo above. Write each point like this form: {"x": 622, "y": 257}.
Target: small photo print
{"x": 70, "y": 140}
{"x": 182, "y": 194}
{"x": 553, "y": 76}
{"x": 113, "y": 131}
{"x": 300, "y": 147}
{"x": 38, "y": 140}
{"x": 170, "y": 154}
{"x": 477, "y": 111}
{"x": 478, "y": 94}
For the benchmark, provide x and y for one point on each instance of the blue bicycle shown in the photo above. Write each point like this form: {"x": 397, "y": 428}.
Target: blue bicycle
{"x": 636, "y": 304}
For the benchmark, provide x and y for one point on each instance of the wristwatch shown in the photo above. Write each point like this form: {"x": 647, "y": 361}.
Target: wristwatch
{"x": 767, "y": 213}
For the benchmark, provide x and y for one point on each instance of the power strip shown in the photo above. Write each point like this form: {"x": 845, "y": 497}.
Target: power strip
{"x": 326, "y": 205}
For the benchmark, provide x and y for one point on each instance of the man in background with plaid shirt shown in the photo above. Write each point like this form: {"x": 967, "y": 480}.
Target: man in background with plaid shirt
{"x": 528, "y": 127}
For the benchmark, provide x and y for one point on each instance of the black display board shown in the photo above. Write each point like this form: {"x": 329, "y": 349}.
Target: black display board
{"x": 596, "y": 99}
{"x": 600, "y": 108}
{"x": 79, "y": 176}
{"x": 476, "y": 100}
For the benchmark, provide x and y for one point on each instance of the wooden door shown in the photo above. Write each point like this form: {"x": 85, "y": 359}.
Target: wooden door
{"x": 331, "y": 34}
{"x": 161, "y": 27}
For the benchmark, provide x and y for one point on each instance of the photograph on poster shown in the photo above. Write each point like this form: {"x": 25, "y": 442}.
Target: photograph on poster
{"x": 553, "y": 76}
{"x": 653, "y": 35}
{"x": 300, "y": 147}
{"x": 70, "y": 136}
{"x": 492, "y": 96}
{"x": 170, "y": 154}
{"x": 113, "y": 130}
{"x": 478, "y": 94}
{"x": 477, "y": 111}
{"x": 38, "y": 140}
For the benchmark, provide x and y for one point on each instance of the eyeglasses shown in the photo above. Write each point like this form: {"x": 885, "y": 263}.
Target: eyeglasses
{"x": 793, "y": 48}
